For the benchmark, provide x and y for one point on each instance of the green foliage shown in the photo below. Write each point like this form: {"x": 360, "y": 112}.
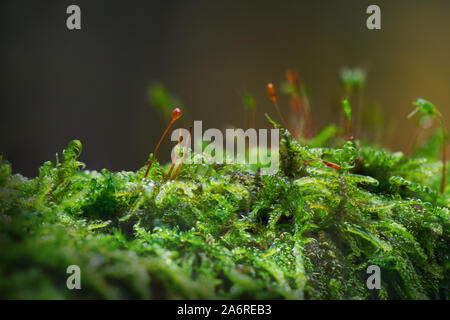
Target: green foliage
{"x": 162, "y": 100}
{"x": 291, "y": 89}
{"x": 324, "y": 136}
{"x": 249, "y": 102}
{"x": 352, "y": 79}
{"x": 428, "y": 109}
{"x": 430, "y": 148}
{"x": 424, "y": 106}
{"x": 347, "y": 109}
{"x": 228, "y": 231}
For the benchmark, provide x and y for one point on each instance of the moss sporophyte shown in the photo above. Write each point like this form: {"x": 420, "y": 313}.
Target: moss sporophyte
{"x": 430, "y": 110}
{"x": 300, "y": 109}
{"x": 200, "y": 228}
{"x": 176, "y": 113}
{"x": 273, "y": 96}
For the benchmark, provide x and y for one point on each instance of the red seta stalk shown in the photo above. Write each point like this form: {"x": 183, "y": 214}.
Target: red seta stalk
{"x": 444, "y": 152}
{"x": 176, "y": 113}
{"x": 444, "y": 165}
{"x": 273, "y": 97}
{"x": 184, "y": 154}
{"x": 327, "y": 163}
{"x": 175, "y": 157}
{"x": 300, "y": 105}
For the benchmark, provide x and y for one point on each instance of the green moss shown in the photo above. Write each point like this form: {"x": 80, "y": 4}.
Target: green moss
{"x": 227, "y": 231}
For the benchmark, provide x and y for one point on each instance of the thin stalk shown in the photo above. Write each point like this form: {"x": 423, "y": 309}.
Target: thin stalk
{"x": 308, "y": 131}
{"x": 348, "y": 127}
{"x": 444, "y": 166}
{"x": 283, "y": 119}
{"x": 273, "y": 97}
{"x": 444, "y": 155}
{"x": 359, "y": 115}
{"x": 184, "y": 154}
{"x": 175, "y": 157}
{"x": 176, "y": 113}
{"x": 327, "y": 163}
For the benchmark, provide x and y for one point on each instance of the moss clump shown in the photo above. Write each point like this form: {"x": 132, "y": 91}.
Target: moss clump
{"x": 227, "y": 231}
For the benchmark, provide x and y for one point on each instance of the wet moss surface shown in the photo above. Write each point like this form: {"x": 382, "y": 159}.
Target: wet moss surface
{"x": 229, "y": 231}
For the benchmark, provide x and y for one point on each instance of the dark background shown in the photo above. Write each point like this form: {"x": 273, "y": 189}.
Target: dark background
{"x": 58, "y": 85}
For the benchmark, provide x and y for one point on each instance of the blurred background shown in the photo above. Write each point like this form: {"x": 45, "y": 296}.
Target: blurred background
{"x": 92, "y": 84}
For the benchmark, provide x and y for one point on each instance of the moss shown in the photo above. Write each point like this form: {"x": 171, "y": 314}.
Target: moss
{"x": 228, "y": 231}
